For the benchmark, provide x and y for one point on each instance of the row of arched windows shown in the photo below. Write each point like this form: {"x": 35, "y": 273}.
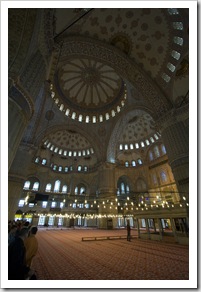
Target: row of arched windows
{"x": 178, "y": 26}
{"x": 69, "y": 153}
{"x": 56, "y": 187}
{"x": 156, "y": 152}
{"x": 60, "y": 168}
{"x": 133, "y": 163}
{"x": 142, "y": 144}
{"x": 141, "y": 185}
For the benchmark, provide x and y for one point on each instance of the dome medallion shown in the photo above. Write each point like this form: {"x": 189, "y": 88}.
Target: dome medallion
{"x": 88, "y": 90}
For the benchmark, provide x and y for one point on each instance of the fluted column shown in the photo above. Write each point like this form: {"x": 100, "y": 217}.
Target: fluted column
{"x": 15, "y": 190}
{"x": 175, "y": 135}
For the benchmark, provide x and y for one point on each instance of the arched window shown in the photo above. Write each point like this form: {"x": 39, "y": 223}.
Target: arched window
{"x": 163, "y": 176}
{"x": 66, "y": 169}
{"x": 48, "y": 187}
{"x": 133, "y": 163}
{"x": 57, "y": 186}
{"x": 151, "y": 157}
{"x": 173, "y": 11}
{"x": 171, "y": 67}
{"x": 175, "y": 55}
{"x": 79, "y": 168}
{"x": 60, "y": 168}
{"x": 126, "y": 164}
{"x": 107, "y": 116}
{"x": 27, "y": 185}
{"x": 80, "y": 118}
{"x": 166, "y": 77}
{"x": 82, "y": 191}
{"x": 61, "y": 107}
{"x": 64, "y": 189}
{"x": 139, "y": 161}
{"x": 36, "y": 186}
{"x": 127, "y": 189}
{"x": 156, "y": 152}
{"x": 37, "y": 160}
{"x": 76, "y": 190}
{"x": 154, "y": 179}
{"x": 44, "y": 161}
{"x": 147, "y": 141}
{"x": 113, "y": 113}
{"x": 178, "y": 40}
{"x": 85, "y": 168}
{"x": 121, "y": 147}
{"x": 87, "y": 119}
{"x": 178, "y": 25}
{"x": 122, "y": 191}
{"x": 136, "y": 145}
{"x": 163, "y": 149}
{"x": 73, "y": 115}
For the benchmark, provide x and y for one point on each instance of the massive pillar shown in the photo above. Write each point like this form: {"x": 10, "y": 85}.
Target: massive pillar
{"x": 19, "y": 112}
{"x": 15, "y": 189}
{"x": 107, "y": 196}
{"x": 175, "y": 134}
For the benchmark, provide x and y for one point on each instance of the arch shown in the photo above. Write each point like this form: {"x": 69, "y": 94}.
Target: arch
{"x": 42, "y": 136}
{"x": 83, "y": 46}
{"x": 117, "y": 130}
{"x": 124, "y": 182}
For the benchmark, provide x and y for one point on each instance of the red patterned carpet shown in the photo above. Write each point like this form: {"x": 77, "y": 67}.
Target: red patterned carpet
{"x": 63, "y": 255}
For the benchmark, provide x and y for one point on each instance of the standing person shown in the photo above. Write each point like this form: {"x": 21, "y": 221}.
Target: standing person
{"x": 128, "y": 231}
{"x": 31, "y": 244}
{"x": 17, "y": 268}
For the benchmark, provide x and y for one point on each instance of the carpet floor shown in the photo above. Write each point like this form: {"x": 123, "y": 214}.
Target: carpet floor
{"x": 62, "y": 255}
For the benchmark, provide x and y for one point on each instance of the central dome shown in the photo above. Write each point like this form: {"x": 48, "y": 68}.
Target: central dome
{"x": 88, "y": 89}
{"x": 85, "y": 82}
